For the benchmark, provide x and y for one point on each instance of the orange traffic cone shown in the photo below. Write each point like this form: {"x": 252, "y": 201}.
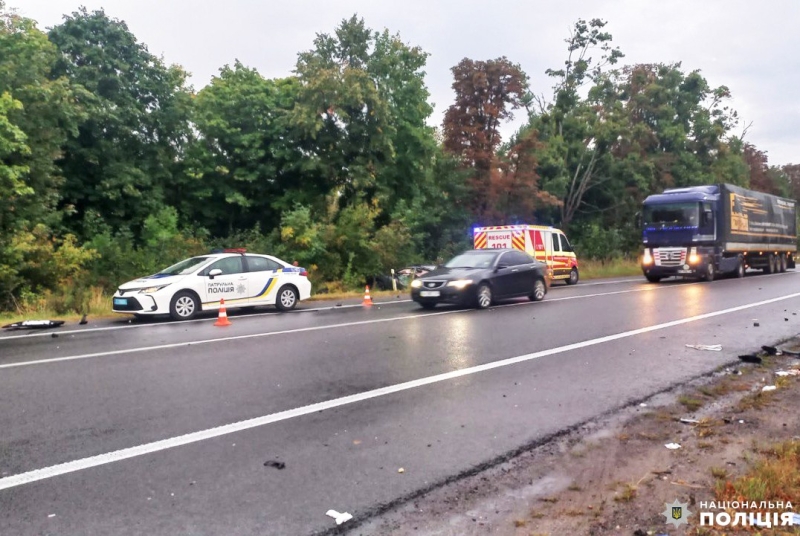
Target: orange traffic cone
{"x": 367, "y": 300}
{"x": 222, "y": 319}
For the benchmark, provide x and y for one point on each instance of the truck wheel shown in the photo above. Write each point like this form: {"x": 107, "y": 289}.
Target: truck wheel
{"x": 740, "y": 268}
{"x": 653, "y": 278}
{"x": 573, "y": 277}
{"x": 770, "y": 269}
{"x": 710, "y": 272}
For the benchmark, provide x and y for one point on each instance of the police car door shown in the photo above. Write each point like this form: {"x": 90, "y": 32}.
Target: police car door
{"x": 231, "y": 284}
{"x": 263, "y": 278}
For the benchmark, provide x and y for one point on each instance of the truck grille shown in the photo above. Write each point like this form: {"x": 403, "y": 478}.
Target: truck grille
{"x": 669, "y": 256}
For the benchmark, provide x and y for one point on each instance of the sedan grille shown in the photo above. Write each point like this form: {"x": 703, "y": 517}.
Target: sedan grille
{"x": 432, "y": 284}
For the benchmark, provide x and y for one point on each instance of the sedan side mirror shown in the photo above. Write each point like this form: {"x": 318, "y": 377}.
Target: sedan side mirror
{"x": 501, "y": 267}
{"x": 215, "y": 272}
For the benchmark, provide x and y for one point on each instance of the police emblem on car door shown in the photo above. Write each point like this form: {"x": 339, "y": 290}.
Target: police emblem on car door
{"x": 226, "y": 284}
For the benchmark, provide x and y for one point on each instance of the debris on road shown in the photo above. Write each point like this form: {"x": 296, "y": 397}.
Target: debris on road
{"x": 768, "y": 388}
{"x": 791, "y": 372}
{"x": 340, "y": 518}
{"x": 771, "y": 350}
{"x": 275, "y": 464}
{"x": 690, "y": 421}
{"x": 34, "y": 324}
{"x": 672, "y": 446}
{"x": 401, "y": 470}
{"x": 750, "y": 358}
{"x": 710, "y": 347}
{"x": 755, "y": 321}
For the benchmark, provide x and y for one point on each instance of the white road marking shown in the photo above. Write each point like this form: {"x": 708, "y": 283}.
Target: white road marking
{"x": 164, "y": 444}
{"x": 316, "y": 328}
{"x": 176, "y": 322}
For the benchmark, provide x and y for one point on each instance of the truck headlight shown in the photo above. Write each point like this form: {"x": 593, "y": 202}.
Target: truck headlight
{"x": 150, "y": 290}
{"x": 460, "y": 283}
{"x": 647, "y": 260}
{"x": 416, "y": 283}
{"x": 694, "y": 258}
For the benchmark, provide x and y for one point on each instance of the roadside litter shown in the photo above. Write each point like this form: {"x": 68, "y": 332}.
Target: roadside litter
{"x": 401, "y": 470}
{"x": 791, "y": 372}
{"x": 771, "y": 350}
{"x": 34, "y": 324}
{"x": 340, "y": 518}
{"x": 690, "y": 421}
{"x": 767, "y": 388}
{"x": 672, "y": 446}
{"x": 711, "y": 347}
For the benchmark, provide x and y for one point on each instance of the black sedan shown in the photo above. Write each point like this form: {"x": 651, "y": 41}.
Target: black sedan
{"x": 480, "y": 277}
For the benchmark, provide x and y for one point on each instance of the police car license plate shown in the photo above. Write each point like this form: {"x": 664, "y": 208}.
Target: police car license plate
{"x": 120, "y": 301}
{"x": 429, "y": 293}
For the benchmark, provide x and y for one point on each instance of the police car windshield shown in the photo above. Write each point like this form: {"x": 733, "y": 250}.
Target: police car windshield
{"x": 473, "y": 260}
{"x": 184, "y": 267}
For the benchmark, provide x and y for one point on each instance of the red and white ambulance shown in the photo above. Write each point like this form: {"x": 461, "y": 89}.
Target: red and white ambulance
{"x": 546, "y": 244}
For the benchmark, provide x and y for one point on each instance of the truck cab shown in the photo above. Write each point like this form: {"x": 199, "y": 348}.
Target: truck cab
{"x": 679, "y": 233}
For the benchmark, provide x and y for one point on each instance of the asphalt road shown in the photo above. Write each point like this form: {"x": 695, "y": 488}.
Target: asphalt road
{"x": 165, "y": 428}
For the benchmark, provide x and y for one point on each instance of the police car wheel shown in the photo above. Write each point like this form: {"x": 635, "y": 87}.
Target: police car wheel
{"x": 184, "y": 306}
{"x": 539, "y": 291}
{"x": 573, "y": 277}
{"x": 287, "y": 298}
{"x": 483, "y": 296}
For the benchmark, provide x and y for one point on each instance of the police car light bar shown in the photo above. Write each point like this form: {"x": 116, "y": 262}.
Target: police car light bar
{"x": 229, "y": 250}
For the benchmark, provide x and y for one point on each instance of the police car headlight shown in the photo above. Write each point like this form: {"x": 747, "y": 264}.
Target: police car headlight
{"x": 460, "y": 283}
{"x": 416, "y": 283}
{"x": 150, "y": 290}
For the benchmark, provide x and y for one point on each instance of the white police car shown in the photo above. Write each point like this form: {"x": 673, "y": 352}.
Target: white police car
{"x": 197, "y": 284}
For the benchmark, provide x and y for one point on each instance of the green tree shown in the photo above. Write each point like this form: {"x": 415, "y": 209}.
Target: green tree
{"x": 127, "y": 149}
{"x": 37, "y": 114}
{"x": 245, "y": 166}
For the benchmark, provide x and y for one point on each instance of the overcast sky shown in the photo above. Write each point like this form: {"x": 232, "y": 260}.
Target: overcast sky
{"x": 750, "y": 47}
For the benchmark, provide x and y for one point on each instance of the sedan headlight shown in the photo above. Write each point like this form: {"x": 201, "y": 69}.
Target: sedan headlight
{"x": 150, "y": 290}
{"x": 460, "y": 283}
{"x": 416, "y": 283}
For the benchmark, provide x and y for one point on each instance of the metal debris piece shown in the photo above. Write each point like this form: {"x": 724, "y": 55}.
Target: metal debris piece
{"x": 339, "y": 517}
{"x": 711, "y": 347}
{"x": 34, "y": 324}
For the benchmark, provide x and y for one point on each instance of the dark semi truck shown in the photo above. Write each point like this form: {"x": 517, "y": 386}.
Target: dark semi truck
{"x": 705, "y": 231}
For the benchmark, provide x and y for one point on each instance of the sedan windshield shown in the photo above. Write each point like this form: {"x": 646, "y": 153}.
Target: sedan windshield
{"x": 677, "y": 214}
{"x": 184, "y": 267}
{"x": 473, "y": 260}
